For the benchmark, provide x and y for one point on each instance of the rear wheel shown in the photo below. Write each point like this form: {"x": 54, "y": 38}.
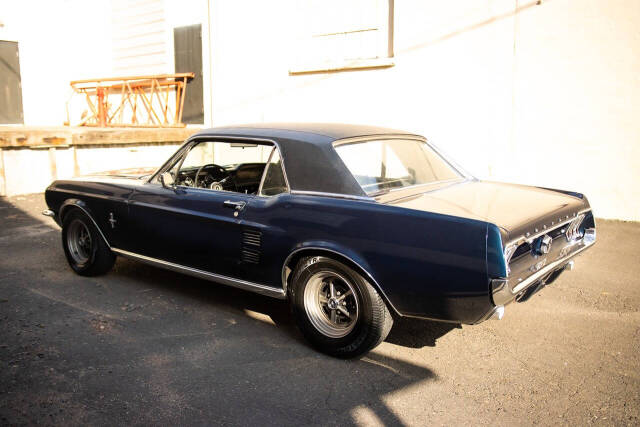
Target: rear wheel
{"x": 84, "y": 247}
{"x": 336, "y": 309}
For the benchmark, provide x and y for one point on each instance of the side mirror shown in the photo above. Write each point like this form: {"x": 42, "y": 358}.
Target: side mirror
{"x": 167, "y": 180}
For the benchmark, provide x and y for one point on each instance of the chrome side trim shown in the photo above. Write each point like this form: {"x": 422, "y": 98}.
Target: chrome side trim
{"x": 334, "y": 195}
{"x": 319, "y": 248}
{"x": 75, "y": 204}
{"x": 225, "y": 280}
{"x": 49, "y": 213}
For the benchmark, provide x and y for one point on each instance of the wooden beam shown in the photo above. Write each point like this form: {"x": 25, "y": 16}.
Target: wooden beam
{"x": 53, "y": 165}
{"x": 3, "y": 178}
{"x": 19, "y": 137}
{"x": 115, "y": 79}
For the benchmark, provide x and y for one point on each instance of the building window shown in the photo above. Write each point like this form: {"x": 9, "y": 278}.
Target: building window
{"x": 337, "y": 35}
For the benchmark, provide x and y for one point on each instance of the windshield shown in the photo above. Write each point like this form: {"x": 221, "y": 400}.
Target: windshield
{"x": 381, "y": 165}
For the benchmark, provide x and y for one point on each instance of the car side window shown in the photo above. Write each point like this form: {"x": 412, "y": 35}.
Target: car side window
{"x": 222, "y": 166}
{"x": 274, "y": 181}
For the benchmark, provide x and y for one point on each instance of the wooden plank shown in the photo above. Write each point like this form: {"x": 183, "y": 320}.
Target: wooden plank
{"x": 76, "y": 166}
{"x": 53, "y": 165}
{"x": 38, "y": 137}
{"x": 3, "y": 178}
{"x": 150, "y": 76}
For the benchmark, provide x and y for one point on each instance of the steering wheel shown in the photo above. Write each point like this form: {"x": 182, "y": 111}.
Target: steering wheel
{"x": 218, "y": 168}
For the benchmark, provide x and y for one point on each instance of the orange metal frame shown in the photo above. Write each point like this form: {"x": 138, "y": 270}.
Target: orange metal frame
{"x": 145, "y": 97}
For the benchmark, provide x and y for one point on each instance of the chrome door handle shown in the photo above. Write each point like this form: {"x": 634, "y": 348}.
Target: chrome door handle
{"x": 234, "y": 205}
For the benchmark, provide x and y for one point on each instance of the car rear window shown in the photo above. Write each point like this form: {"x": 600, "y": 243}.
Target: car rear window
{"x": 382, "y": 165}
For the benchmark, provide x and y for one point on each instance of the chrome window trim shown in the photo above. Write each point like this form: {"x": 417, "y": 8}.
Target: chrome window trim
{"x": 264, "y": 172}
{"x": 190, "y": 142}
{"x": 425, "y": 184}
{"x": 264, "y": 175}
{"x": 333, "y": 195}
{"x": 218, "y": 278}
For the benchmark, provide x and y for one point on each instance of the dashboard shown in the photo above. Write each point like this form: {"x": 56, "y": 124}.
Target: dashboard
{"x": 241, "y": 178}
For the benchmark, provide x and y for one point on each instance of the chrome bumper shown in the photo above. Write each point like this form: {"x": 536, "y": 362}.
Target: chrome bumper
{"x": 503, "y": 292}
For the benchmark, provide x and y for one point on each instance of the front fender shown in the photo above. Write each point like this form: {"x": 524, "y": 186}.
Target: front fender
{"x": 73, "y": 203}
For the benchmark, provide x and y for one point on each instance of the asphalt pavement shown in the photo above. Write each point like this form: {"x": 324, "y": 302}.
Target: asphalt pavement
{"x": 146, "y": 346}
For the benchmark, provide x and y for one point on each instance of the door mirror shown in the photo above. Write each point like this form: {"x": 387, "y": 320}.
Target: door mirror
{"x": 167, "y": 180}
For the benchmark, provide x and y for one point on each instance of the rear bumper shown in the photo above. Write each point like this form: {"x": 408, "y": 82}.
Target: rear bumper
{"x": 51, "y": 214}
{"x": 504, "y": 292}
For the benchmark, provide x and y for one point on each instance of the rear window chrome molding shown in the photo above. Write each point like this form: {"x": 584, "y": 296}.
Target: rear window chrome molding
{"x": 333, "y": 195}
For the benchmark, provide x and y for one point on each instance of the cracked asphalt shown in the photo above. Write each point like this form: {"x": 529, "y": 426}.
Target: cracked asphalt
{"x": 144, "y": 346}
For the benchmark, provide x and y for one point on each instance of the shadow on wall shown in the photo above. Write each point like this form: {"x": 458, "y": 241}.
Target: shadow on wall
{"x": 152, "y": 346}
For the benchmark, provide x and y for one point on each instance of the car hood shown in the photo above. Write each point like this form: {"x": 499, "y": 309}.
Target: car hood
{"x": 132, "y": 173}
{"x": 517, "y": 209}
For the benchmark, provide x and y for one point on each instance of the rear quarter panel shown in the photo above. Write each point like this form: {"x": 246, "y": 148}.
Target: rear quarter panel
{"x": 428, "y": 265}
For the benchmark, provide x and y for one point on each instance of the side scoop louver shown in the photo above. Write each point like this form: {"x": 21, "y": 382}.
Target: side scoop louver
{"x": 251, "y": 243}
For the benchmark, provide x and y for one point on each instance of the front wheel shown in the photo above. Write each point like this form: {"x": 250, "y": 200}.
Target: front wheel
{"x": 84, "y": 247}
{"x": 337, "y": 310}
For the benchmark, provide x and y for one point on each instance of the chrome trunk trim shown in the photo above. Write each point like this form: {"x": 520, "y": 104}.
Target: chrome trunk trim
{"x": 225, "y": 280}
{"x": 503, "y": 293}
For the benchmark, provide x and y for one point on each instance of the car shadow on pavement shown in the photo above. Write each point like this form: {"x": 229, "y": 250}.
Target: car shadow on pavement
{"x": 148, "y": 346}
{"x": 406, "y": 332}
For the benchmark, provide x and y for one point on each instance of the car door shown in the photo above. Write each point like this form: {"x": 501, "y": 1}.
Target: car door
{"x": 191, "y": 226}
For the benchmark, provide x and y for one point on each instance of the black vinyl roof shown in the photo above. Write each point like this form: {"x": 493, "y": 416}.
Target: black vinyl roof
{"x": 309, "y": 159}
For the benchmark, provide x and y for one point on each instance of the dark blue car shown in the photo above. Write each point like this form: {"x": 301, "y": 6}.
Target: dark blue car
{"x": 352, "y": 224}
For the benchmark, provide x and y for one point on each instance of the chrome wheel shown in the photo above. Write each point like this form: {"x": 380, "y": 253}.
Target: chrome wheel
{"x": 79, "y": 241}
{"x": 331, "y": 304}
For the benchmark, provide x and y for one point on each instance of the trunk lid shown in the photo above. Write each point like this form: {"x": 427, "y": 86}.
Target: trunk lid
{"x": 517, "y": 209}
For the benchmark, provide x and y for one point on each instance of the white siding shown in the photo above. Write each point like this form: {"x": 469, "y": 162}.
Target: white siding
{"x": 139, "y": 37}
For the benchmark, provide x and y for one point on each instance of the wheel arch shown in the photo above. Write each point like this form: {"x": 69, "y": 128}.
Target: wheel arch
{"x": 71, "y": 204}
{"x": 339, "y": 255}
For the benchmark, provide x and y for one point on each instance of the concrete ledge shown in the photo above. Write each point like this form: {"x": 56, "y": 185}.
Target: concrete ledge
{"x": 32, "y": 157}
{"x": 16, "y": 137}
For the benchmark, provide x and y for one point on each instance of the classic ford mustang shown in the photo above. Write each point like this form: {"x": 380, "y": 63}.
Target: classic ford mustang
{"x": 352, "y": 224}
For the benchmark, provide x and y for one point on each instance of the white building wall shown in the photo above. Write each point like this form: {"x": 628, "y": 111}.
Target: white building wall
{"x": 557, "y": 110}
{"x": 59, "y": 41}
{"x": 540, "y": 94}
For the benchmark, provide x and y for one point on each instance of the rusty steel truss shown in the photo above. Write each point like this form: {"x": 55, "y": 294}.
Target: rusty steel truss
{"x": 134, "y": 101}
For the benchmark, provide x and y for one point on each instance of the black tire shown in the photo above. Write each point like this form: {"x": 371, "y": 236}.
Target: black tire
{"x": 372, "y": 321}
{"x": 92, "y": 257}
